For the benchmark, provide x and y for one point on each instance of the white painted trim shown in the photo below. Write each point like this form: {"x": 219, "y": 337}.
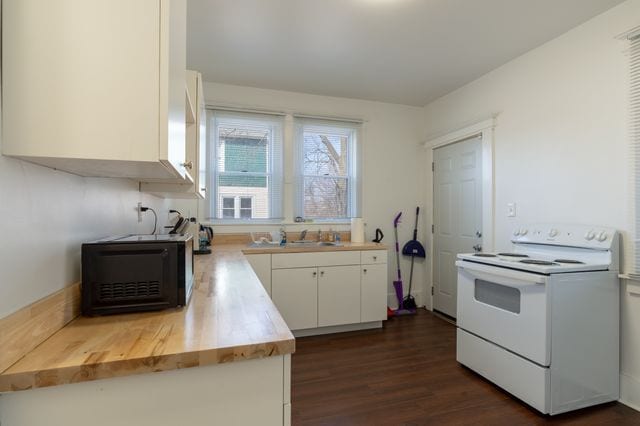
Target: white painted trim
{"x": 337, "y": 329}
{"x": 458, "y": 135}
{"x": 630, "y": 391}
{"x": 485, "y": 129}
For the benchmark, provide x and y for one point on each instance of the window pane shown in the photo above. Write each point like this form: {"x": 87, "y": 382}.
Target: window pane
{"x": 228, "y": 203}
{"x": 230, "y": 179}
{"x": 245, "y": 213}
{"x": 243, "y": 148}
{"x": 228, "y": 213}
{"x": 325, "y": 154}
{"x": 325, "y": 197}
{"x": 245, "y": 203}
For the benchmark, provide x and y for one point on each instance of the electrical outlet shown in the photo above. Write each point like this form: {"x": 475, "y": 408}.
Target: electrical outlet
{"x": 139, "y": 212}
{"x": 511, "y": 210}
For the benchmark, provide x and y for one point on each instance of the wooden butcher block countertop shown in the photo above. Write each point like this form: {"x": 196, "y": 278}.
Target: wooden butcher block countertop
{"x": 230, "y": 318}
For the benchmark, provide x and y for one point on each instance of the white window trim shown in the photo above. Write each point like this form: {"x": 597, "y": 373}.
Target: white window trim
{"x": 354, "y": 176}
{"x": 288, "y": 174}
{"x": 274, "y": 173}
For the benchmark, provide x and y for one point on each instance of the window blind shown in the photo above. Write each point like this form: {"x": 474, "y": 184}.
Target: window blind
{"x": 246, "y": 165}
{"x": 634, "y": 129}
{"x": 328, "y": 169}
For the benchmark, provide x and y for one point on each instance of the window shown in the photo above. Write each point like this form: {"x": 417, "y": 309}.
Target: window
{"x": 237, "y": 207}
{"x": 634, "y": 132}
{"x": 246, "y": 175}
{"x": 328, "y": 183}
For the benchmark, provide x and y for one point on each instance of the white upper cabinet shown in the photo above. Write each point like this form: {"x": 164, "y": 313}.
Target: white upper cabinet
{"x": 196, "y": 149}
{"x": 94, "y": 87}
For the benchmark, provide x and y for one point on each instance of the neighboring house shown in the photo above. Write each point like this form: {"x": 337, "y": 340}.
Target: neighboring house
{"x": 243, "y": 193}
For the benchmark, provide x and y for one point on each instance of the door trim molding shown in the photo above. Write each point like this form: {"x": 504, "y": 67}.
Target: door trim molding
{"x": 485, "y": 130}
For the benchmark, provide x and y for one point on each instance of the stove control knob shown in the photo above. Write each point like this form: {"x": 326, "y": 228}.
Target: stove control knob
{"x": 516, "y": 233}
{"x": 524, "y": 231}
{"x": 553, "y": 233}
{"x": 602, "y": 236}
{"x": 589, "y": 236}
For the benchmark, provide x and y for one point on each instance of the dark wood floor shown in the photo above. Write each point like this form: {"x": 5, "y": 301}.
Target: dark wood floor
{"x": 406, "y": 374}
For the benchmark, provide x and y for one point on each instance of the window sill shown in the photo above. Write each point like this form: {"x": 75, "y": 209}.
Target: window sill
{"x": 630, "y": 277}
{"x": 263, "y": 222}
{"x": 633, "y": 286}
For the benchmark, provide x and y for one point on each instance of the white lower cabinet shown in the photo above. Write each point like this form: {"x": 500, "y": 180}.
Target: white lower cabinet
{"x": 261, "y": 264}
{"x": 373, "y": 293}
{"x": 331, "y": 291}
{"x": 295, "y": 294}
{"x": 338, "y": 295}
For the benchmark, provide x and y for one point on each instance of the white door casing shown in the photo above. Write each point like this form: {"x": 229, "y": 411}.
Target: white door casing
{"x": 457, "y": 187}
{"x": 484, "y": 128}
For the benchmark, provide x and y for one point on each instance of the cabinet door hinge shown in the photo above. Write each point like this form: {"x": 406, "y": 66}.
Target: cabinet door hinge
{"x": 433, "y": 167}
{"x": 433, "y": 228}
{"x": 432, "y": 290}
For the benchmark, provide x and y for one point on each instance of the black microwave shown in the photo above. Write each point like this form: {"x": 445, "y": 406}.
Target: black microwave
{"x": 135, "y": 273}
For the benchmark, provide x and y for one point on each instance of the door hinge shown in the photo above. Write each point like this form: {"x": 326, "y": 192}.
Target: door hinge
{"x": 433, "y": 167}
{"x": 433, "y": 228}
{"x": 432, "y": 290}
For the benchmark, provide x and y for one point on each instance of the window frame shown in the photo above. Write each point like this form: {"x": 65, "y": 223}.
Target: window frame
{"x": 353, "y": 132}
{"x": 273, "y": 174}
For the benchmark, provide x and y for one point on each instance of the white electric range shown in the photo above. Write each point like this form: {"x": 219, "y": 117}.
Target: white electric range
{"x": 542, "y": 320}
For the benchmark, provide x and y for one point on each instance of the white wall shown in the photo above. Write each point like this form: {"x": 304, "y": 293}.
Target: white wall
{"x": 561, "y": 147}
{"x": 45, "y": 215}
{"x": 393, "y": 171}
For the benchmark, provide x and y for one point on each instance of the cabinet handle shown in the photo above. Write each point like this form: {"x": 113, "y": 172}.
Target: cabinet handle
{"x": 315, "y": 273}
{"x": 321, "y": 273}
{"x": 364, "y": 270}
{"x": 187, "y": 165}
{"x": 375, "y": 257}
{"x": 203, "y": 189}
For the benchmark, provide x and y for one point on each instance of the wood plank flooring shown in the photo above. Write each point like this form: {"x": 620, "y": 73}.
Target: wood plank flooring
{"x": 406, "y": 374}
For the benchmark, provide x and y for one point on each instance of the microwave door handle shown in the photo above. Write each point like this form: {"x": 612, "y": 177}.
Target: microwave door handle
{"x": 506, "y": 277}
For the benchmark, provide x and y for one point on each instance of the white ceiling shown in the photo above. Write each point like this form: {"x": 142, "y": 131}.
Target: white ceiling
{"x": 401, "y": 51}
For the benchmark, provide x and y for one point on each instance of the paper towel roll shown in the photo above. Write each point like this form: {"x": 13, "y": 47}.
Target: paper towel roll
{"x": 357, "y": 230}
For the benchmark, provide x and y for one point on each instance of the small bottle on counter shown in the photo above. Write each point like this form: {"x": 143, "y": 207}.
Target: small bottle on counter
{"x": 283, "y": 237}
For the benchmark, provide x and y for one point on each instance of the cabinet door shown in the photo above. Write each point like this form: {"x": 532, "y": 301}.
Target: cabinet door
{"x": 338, "y": 295}
{"x": 201, "y": 121}
{"x": 295, "y": 294}
{"x": 173, "y": 64}
{"x": 261, "y": 264}
{"x": 373, "y": 293}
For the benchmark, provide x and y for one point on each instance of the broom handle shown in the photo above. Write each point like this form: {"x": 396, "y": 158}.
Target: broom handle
{"x": 415, "y": 228}
{"x": 395, "y": 229}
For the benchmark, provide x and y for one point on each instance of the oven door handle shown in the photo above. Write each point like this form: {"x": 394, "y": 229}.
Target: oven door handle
{"x": 503, "y": 277}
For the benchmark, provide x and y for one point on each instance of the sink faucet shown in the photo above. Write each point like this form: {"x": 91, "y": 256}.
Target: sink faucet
{"x": 303, "y": 234}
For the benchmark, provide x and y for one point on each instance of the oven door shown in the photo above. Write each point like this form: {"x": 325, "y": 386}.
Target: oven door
{"x": 506, "y": 307}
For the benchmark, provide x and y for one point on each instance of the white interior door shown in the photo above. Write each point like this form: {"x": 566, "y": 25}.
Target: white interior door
{"x": 457, "y": 210}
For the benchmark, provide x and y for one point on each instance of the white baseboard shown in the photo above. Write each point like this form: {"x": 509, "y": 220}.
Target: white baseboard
{"x": 630, "y": 391}
{"x": 337, "y": 329}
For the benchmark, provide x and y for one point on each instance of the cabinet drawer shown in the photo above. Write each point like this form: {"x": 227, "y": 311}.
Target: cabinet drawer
{"x": 531, "y": 383}
{"x": 304, "y": 260}
{"x": 372, "y": 257}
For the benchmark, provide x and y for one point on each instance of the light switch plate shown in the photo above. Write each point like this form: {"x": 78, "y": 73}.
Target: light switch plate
{"x": 511, "y": 210}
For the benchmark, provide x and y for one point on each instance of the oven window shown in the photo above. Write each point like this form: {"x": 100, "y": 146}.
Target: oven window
{"x": 500, "y": 296}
